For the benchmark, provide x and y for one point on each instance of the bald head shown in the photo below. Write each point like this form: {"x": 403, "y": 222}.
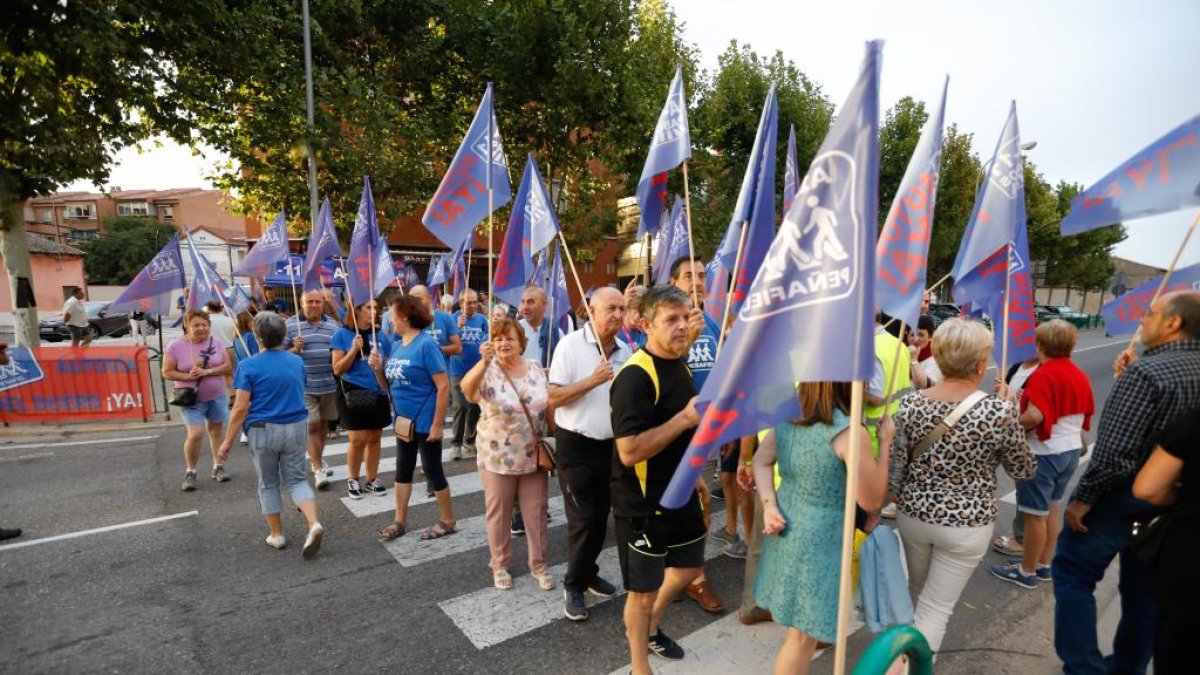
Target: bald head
{"x": 608, "y": 311}
{"x": 421, "y": 293}
{"x": 469, "y": 302}
{"x": 533, "y": 306}
{"x": 1173, "y": 316}
{"x": 314, "y": 306}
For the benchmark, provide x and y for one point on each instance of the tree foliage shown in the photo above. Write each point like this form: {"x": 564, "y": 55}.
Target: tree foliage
{"x": 898, "y": 136}
{"x": 128, "y": 244}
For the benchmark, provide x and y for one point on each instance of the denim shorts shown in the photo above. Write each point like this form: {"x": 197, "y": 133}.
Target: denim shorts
{"x": 215, "y": 411}
{"x": 1048, "y": 487}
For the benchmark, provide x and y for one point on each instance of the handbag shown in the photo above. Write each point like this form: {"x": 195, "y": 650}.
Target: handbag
{"x": 1149, "y": 535}
{"x": 358, "y": 400}
{"x": 185, "y": 397}
{"x": 547, "y": 460}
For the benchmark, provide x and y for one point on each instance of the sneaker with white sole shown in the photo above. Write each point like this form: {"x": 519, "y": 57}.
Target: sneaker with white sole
{"x": 189, "y": 481}
{"x": 320, "y": 480}
{"x": 375, "y": 487}
{"x": 353, "y": 489}
{"x": 219, "y": 474}
{"x": 312, "y": 543}
{"x": 1043, "y": 571}
{"x": 276, "y": 541}
{"x": 664, "y": 647}
{"x": 1013, "y": 575}
{"x": 574, "y": 606}
{"x": 601, "y": 588}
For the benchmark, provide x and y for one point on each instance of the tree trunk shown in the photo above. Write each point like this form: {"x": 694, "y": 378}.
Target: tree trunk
{"x": 14, "y": 246}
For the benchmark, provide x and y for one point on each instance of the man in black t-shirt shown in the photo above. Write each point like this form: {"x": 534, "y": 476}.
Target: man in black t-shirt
{"x": 654, "y": 415}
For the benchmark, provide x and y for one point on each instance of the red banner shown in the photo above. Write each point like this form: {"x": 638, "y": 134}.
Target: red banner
{"x": 52, "y": 384}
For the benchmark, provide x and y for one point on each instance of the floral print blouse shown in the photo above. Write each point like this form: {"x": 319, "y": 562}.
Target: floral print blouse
{"x": 504, "y": 441}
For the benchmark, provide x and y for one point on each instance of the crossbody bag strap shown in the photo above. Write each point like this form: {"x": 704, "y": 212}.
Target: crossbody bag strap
{"x": 947, "y": 423}
{"x": 524, "y": 407}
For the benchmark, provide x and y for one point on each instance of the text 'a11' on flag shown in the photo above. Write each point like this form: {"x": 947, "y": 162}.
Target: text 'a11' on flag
{"x": 322, "y": 245}
{"x": 531, "y": 227}
{"x": 670, "y": 146}
{"x": 160, "y": 276}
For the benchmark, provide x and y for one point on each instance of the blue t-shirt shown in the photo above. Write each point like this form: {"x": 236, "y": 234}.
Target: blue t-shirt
{"x": 275, "y": 380}
{"x": 703, "y": 354}
{"x": 633, "y": 338}
{"x": 250, "y": 349}
{"x": 443, "y": 328}
{"x": 360, "y": 374}
{"x": 409, "y": 370}
{"x": 473, "y": 334}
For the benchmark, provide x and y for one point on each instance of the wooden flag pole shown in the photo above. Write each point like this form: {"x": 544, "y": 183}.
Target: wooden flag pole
{"x": 687, "y": 208}
{"x": 890, "y": 391}
{"x": 845, "y": 589}
{"x": 737, "y": 262}
{"x": 295, "y": 299}
{"x": 488, "y": 304}
{"x": 553, "y": 317}
{"x": 648, "y": 270}
{"x": 371, "y": 285}
{"x": 1166, "y": 277}
{"x": 582, "y": 295}
{"x": 1007, "y": 304}
{"x": 937, "y": 283}
{"x": 352, "y": 309}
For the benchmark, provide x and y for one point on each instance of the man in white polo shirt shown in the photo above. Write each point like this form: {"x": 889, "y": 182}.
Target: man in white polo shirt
{"x": 579, "y": 385}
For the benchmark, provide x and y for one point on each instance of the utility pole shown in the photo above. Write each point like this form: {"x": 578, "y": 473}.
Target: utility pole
{"x": 308, "y": 143}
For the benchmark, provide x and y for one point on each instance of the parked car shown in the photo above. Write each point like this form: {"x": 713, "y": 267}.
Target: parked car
{"x": 940, "y": 311}
{"x": 1064, "y": 312}
{"x": 100, "y": 323}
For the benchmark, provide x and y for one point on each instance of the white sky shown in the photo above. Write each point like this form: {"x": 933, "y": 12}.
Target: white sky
{"x": 1094, "y": 81}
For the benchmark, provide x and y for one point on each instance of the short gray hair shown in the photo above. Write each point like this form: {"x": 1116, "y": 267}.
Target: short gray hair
{"x": 958, "y": 345}
{"x": 270, "y": 328}
{"x": 657, "y": 296}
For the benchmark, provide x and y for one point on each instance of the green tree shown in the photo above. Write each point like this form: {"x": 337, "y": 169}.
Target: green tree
{"x": 127, "y": 245}
{"x": 1081, "y": 261}
{"x": 726, "y": 121}
{"x": 79, "y": 81}
{"x": 898, "y": 136}
{"x": 957, "y": 183}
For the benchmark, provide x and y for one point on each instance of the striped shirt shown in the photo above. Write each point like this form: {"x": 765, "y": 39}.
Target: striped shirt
{"x": 318, "y": 365}
{"x": 1154, "y": 391}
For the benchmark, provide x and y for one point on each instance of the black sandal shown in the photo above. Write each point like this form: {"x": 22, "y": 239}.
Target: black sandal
{"x": 393, "y": 531}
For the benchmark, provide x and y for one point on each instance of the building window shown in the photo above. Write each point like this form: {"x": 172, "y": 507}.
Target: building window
{"x": 78, "y": 236}
{"x": 47, "y": 215}
{"x": 81, "y": 211}
{"x": 610, "y": 268}
{"x": 166, "y": 212}
{"x": 133, "y": 209}
{"x": 588, "y": 267}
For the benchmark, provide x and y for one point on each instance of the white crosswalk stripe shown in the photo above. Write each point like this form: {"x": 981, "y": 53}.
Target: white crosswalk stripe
{"x": 490, "y": 616}
{"x": 409, "y": 550}
{"x": 461, "y": 484}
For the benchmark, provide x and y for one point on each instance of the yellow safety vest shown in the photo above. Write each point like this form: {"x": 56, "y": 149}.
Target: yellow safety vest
{"x": 894, "y": 361}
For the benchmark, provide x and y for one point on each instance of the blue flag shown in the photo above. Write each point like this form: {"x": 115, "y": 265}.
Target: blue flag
{"x": 461, "y": 200}
{"x": 902, "y": 253}
{"x": 556, "y": 293}
{"x": 791, "y": 171}
{"x": 999, "y": 208}
{"x": 678, "y": 239}
{"x": 670, "y": 146}
{"x": 206, "y": 283}
{"x": 809, "y": 315}
{"x": 716, "y": 290}
{"x": 1164, "y": 176}
{"x": 160, "y": 276}
{"x": 531, "y": 228}
{"x": 367, "y": 250}
{"x": 1123, "y": 315}
{"x": 270, "y": 249}
{"x": 439, "y": 270}
{"x": 1022, "y": 317}
{"x": 755, "y": 207}
{"x": 322, "y": 245}
{"x": 662, "y": 246}
{"x": 238, "y": 299}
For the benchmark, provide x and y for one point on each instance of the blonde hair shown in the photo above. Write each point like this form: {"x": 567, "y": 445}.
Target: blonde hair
{"x": 1056, "y": 338}
{"x": 958, "y": 345}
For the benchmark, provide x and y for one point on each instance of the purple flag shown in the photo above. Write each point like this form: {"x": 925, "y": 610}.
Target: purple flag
{"x": 1022, "y": 318}
{"x": 662, "y": 246}
{"x": 670, "y": 146}
{"x": 270, "y": 249}
{"x": 160, "y": 276}
{"x": 1164, "y": 176}
{"x": 206, "y": 283}
{"x": 531, "y": 228}
{"x": 755, "y": 208}
{"x": 1122, "y": 315}
{"x": 716, "y": 290}
{"x": 557, "y": 295}
{"x": 461, "y": 200}
{"x": 809, "y": 315}
{"x": 678, "y": 242}
{"x": 999, "y": 208}
{"x": 439, "y": 270}
{"x": 791, "y": 171}
{"x": 902, "y": 252}
{"x": 322, "y": 245}
{"x": 365, "y": 245}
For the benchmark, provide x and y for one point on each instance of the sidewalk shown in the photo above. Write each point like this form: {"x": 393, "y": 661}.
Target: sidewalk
{"x": 15, "y": 432}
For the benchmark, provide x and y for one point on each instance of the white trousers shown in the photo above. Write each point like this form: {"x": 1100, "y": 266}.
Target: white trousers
{"x": 940, "y": 561}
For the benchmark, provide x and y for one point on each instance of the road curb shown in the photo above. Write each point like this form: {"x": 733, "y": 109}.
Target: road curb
{"x": 73, "y": 430}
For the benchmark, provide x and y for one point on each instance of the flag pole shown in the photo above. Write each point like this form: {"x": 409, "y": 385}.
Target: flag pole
{"x": 351, "y": 309}
{"x": 1007, "y": 304}
{"x": 891, "y": 385}
{"x": 295, "y": 298}
{"x": 553, "y": 317}
{"x": 1166, "y": 277}
{"x": 161, "y": 380}
{"x": 737, "y": 262}
{"x": 648, "y": 269}
{"x": 845, "y": 589}
{"x": 582, "y": 295}
{"x": 687, "y": 207}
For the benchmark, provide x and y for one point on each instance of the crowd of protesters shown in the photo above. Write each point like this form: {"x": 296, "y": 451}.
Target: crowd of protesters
{"x": 612, "y": 408}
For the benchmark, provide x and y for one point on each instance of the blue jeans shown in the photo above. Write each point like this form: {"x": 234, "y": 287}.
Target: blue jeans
{"x": 215, "y": 411}
{"x": 279, "y": 451}
{"x": 1078, "y": 565}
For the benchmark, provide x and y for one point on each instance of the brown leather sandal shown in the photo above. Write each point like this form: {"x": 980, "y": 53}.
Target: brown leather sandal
{"x": 393, "y": 531}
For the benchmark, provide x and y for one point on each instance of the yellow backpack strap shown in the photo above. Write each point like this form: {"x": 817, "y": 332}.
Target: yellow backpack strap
{"x": 641, "y": 359}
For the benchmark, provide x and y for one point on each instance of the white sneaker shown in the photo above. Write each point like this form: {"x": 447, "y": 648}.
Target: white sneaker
{"x": 321, "y": 480}
{"x": 889, "y": 511}
{"x": 312, "y": 543}
{"x": 276, "y": 542}
{"x": 245, "y": 439}
{"x": 327, "y": 469}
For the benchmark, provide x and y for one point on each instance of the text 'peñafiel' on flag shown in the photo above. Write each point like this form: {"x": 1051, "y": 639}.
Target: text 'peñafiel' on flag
{"x": 809, "y": 315}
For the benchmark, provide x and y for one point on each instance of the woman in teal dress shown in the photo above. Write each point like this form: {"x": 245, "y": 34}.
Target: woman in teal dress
{"x": 798, "y": 576}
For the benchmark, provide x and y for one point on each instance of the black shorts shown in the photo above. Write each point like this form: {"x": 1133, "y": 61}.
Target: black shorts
{"x": 376, "y": 417}
{"x": 729, "y": 464}
{"x": 648, "y": 546}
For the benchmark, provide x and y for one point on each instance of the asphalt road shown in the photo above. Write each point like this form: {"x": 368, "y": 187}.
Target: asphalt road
{"x": 198, "y": 589}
